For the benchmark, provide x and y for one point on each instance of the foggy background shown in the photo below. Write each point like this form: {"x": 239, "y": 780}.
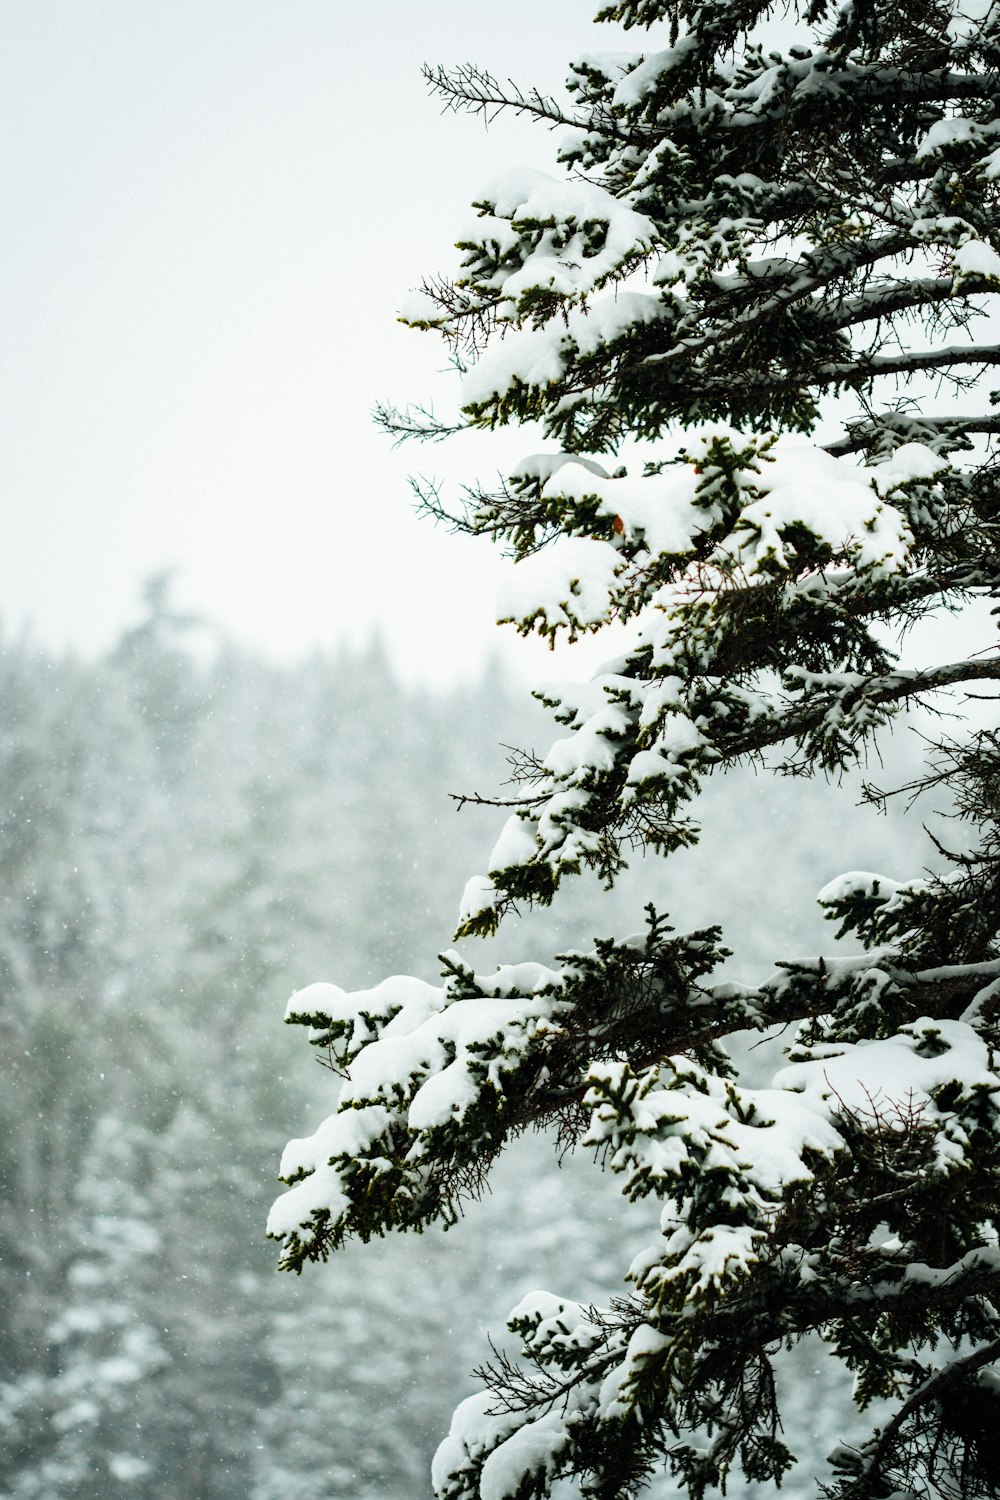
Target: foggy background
{"x": 183, "y": 842}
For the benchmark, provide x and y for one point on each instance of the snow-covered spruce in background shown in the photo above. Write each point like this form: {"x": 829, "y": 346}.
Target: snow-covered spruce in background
{"x": 735, "y": 234}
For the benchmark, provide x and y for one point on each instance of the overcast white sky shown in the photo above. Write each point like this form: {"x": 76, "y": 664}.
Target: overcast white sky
{"x": 212, "y": 209}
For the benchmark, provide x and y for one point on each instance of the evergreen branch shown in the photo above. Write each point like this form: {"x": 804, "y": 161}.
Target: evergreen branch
{"x": 863, "y": 434}
{"x": 913, "y": 361}
{"x": 477, "y": 799}
{"x": 475, "y": 90}
{"x": 712, "y": 1014}
{"x": 468, "y": 314}
{"x": 874, "y": 304}
{"x": 427, "y": 494}
{"x": 935, "y": 86}
{"x": 884, "y": 300}
{"x": 893, "y": 687}
{"x": 790, "y": 200}
{"x": 420, "y": 422}
{"x": 817, "y": 268}
{"x": 517, "y": 1391}
{"x": 931, "y": 1390}
{"x": 843, "y": 262}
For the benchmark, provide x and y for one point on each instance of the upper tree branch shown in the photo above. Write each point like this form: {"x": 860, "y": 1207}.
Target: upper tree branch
{"x": 475, "y": 89}
{"x": 930, "y": 1390}
{"x": 862, "y": 434}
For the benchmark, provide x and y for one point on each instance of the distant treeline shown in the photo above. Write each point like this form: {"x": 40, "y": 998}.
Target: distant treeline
{"x": 185, "y": 837}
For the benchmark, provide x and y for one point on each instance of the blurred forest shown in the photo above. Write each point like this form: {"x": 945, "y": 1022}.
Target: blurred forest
{"x": 187, "y": 833}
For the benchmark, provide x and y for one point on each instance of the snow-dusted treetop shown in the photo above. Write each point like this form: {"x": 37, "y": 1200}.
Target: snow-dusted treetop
{"x": 731, "y": 234}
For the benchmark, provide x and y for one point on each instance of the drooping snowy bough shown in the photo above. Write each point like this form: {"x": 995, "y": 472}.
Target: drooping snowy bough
{"x": 734, "y": 233}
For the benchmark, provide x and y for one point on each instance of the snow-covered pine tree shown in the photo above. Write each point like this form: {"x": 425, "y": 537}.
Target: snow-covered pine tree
{"x": 738, "y": 230}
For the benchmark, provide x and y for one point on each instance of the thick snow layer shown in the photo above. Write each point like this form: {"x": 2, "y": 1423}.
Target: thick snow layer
{"x": 571, "y": 583}
{"x": 542, "y": 466}
{"x": 515, "y": 1449}
{"x": 847, "y": 509}
{"x": 538, "y": 357}
{"x": 479, "y": 895}
{"x": 677, "y": 1125}
{"x": 908, "y": 462}
{"x": 351, "y": 1019}
{"x": 475, "y": 1428}
{"x": 422, "y": 1067}
{"x": 975, "y": 258}
{"x": 531, "y": 357}
{"x": 521, "y": 201}
{"x": 945, "y": 133}
{"x": 534, "y": 1448}
{"x": 515, "y": 845}
{"x": 831, "y": 499}
{"x": 664, "y": 512}
{"x": 640, "y": 80}
{"x": 969, "y": 18}
{"x": 551, "y": 1326}
{"x": 897, "y": 1075}
{"x": 527, "y": 195}
{"x": 613, "y": 1399}
{"x": 857, "y": 883}
{"x": 591, "y": 747}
